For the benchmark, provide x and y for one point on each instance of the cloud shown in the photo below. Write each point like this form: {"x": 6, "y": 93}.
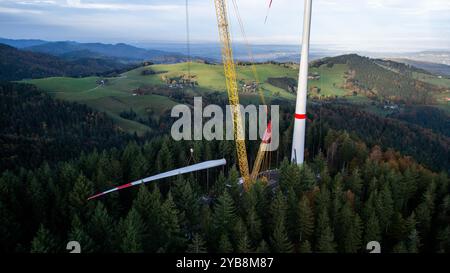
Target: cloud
{"x": 119, "y": 6}
{"x": 18, "y": 11}
{"x": 408, "y": 7}
{"x": 363, "y": 23}
{"x": 95, "y": 5}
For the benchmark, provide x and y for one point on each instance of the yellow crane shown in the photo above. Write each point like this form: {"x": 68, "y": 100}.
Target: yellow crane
{"x": 233, "y": 97}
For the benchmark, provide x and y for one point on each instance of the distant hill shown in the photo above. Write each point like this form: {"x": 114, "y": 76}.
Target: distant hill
{"x": 19, "y": 64}
{"x": 385, "y": 80}
{"x": 82, "y": 54}
{"x": 121, "y": 52}
{"x": 435, "y": 68}
{"x": 430, "y": 147}
{"x": 432, "y": 56}
{"x": 21, "y": 43}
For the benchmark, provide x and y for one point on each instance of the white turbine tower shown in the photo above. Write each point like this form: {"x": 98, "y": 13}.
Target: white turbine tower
{"x": 298, "y": 141}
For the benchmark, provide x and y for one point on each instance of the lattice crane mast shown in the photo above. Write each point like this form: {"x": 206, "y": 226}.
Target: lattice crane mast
{"x": 232, "y": 89}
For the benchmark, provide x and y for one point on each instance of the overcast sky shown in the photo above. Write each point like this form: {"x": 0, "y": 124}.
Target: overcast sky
{"x": 377, "y": 25}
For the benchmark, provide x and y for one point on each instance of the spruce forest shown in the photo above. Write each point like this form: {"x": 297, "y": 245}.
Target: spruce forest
{"x": 355, "y": 187}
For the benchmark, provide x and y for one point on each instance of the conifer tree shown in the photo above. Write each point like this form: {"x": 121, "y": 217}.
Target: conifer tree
{"x": 206, "y": 226}
{"x": 324, "y": 235}
{"x": 307, "y": 179}
{"x": 337, "y": 199}
{"x": 81, "y": 191}
{"x": 305, "y": 247}
{"x": 425, "y": 210}
{"x": 38, "y": 198}
{"x": 243, "y": 244}
{"x": 413, "y": 243}
{"x": 305, "y": 222}
{"x": 385, "y": 207}
{"x": 187, "y": 202}
{"x": 43, "y": 242}
{"x": 355, "y": 182}
{"x": 292, "y": 215}
{"x": 148, "y": 205}
{"x": 197, "y": 244}
{"x": 325, "y": 242}
{"x": 262, "y": 196}
{"x": 349, "y": 230}
{"x": 233, "y": 186}
{"x": 398, "y": 227}
{"x": 224, "y": 216}
{"x": 130, "y": 232}
{"x": 291, "y": 177}
{"x": 101, "y": 228}
{"x": 322, "y": 200}
{"x": 241, "y": 238}
{"x": 278, "y": 208}
{"x": 127, "y": 159}
{"x": 400, "y": 248}
{"x": 164, "y": 158}
{"x": 443, "y": 238}
{"x": 170, "y": 226}
{"x": 284, "y": 174}
{"x": 78, "y": 234}
{"x": 225, "y": 244}
{"x": 262, "y": 247}
{"x": 220, "y": 184}
{"x": 139, "y": 166}
{"x": 280, "y": 240}
{"x": 254, "y": 224}
{"x": 372, "y": 229}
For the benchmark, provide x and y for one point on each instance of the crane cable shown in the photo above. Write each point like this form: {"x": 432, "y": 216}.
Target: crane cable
{"x": 267, "y": 14}
{"x": 267, "y": 159}
{"x": 188, "y": 43}
{"x": 249, "y": 51}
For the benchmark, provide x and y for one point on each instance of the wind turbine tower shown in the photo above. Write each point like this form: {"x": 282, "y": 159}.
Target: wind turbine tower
{"x": 298, "y": 141}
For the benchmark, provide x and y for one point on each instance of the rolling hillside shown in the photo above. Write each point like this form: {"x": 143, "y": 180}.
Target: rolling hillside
{"x": 385, "y": 80}
{"x": 151, "y": 94}
{"x": 119, "y": 52}
{"x": 35, "y": 128}
{"x": 21, "y": 43}
{"x": 435, "y": 68}
{"x": 151, "y": 91}
{"x": 19, "y": 64}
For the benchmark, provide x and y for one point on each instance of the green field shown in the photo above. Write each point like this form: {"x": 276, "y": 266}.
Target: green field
{"x": 331, "y": 80}
{"x": 442, "y": 82}
{"x": 436, "y": 80}
{"x": 116, "y": 95}
{"x": 113, "y": 98}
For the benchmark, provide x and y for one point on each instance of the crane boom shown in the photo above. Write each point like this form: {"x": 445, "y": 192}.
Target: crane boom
{"x": 232, "y": 89}
{"x": 262, "y": 152}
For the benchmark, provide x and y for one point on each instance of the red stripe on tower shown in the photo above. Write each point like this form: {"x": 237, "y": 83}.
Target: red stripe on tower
{"x": 300, "y": 116}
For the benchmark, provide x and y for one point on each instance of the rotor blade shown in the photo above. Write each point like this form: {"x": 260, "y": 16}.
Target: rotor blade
{"x": 268, "y": 9}
{"x": 188, "y": 169}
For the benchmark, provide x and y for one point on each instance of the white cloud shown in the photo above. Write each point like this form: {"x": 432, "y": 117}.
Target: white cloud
{"x": 122, "y": 6}
{"x": 18, "y": 11}
{"x": 95, "y": 5}
{"x": 361, "y": 23}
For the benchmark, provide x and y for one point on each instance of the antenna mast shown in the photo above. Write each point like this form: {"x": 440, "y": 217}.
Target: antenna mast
{"x": 298, "y": 141}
